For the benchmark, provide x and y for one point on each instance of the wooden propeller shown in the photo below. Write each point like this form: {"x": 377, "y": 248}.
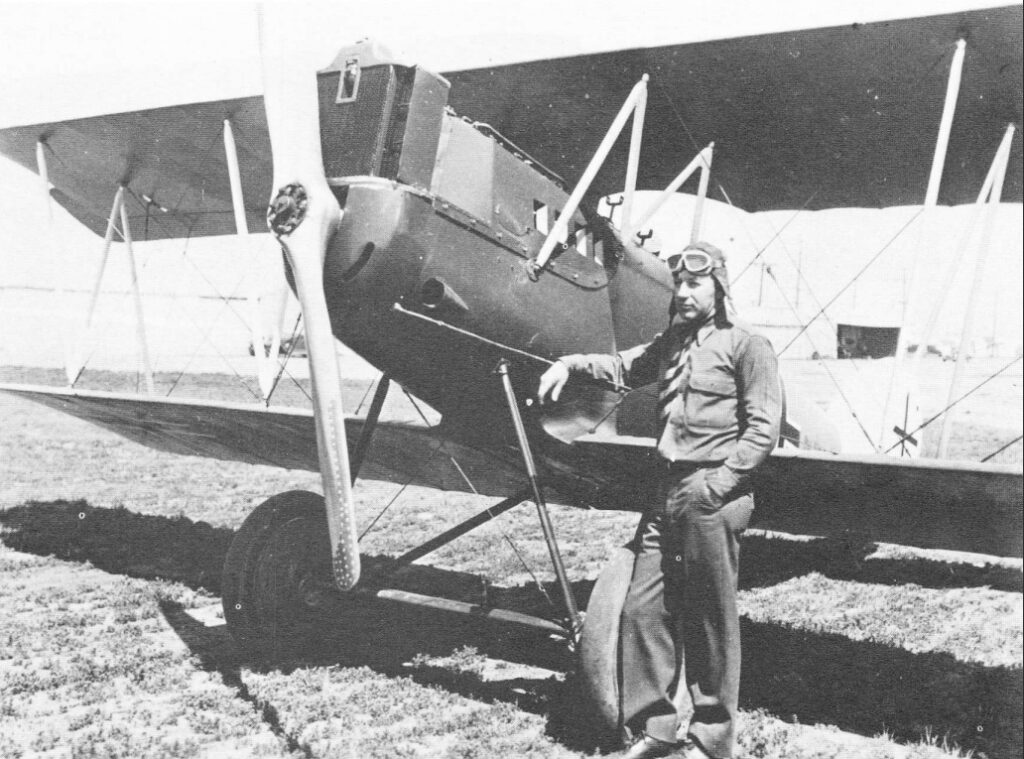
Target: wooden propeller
{"x": 304, "y": 215}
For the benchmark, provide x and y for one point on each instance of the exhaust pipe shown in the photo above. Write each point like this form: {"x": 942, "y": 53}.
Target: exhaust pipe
{"x": 435, "y": 294}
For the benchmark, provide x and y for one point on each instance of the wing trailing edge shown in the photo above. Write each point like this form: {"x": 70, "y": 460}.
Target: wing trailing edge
{"x": 930, "y": 503}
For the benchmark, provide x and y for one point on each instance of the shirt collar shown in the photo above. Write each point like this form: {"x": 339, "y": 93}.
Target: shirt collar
{"x": 702, "y": 332}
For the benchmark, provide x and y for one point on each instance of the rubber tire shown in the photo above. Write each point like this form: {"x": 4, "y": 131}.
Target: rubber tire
{"x": 280, "y": 547}
{"x": 599, "y": 644}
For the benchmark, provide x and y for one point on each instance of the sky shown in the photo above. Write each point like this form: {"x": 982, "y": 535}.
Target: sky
{"x": 61, "y": 60}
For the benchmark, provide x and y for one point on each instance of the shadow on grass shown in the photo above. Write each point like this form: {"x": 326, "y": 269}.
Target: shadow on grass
{"x": 813, "y": 677}
{"x": 868, "y": 688}
{"x": 767, "y": 561}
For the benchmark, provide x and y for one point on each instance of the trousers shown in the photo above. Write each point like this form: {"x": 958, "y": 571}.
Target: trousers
{"x": 680, "y": 620}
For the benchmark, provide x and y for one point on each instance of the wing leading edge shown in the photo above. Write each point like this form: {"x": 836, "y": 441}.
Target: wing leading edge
{"x": 281, "y": 437}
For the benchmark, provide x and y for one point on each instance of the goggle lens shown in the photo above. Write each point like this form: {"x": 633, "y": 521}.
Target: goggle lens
{"x": 692, "y": 261}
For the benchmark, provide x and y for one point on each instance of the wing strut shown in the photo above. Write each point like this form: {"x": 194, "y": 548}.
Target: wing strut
{"x": 55, "y": 256}
{"x": 931, "y": 198}
{"x": 79, "y": 360}
{"x": 963, "y": 244}
{"x": 542, "y": 509}
{"x": 140, "y": 322}
{"x": 264, "y": 358}
{"x": 701, "y": 161}
{"x": 77, "y": 364}
{"x": 634, "y": 105}
{"x": 966, "y": 333}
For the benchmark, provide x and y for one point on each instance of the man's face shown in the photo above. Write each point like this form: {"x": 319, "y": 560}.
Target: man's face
{"x": 694, "y": 296}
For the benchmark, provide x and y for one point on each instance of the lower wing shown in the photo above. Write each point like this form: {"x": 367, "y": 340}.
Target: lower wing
{"x": 931, "y": 503}
{"x": 282, "y": 437}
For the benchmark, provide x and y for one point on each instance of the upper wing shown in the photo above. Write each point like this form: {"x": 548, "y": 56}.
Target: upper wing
{"x": 174, "y": 156}
{"x": 961, "y": 506}
{"x": 818, "y": 118}
{"x": 821, "y": 118}
{"x": 283, "y": 437}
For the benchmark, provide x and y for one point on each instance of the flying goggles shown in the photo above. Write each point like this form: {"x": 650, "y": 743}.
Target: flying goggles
{"x": 693, "y": 261}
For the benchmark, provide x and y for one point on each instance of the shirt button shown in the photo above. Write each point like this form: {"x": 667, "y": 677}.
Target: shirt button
{"x": 679, "y": 558}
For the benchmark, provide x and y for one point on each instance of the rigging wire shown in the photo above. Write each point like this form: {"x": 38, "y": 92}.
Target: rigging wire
{"x": 283, "y": 365}
{"x": 824, "y": 365}
{"x": 416, "y": 406}
{"x": 1002, "y": 448}
{"x": 974, "y": 389}
{"x": 205, "y": 338}
{"x": 828, "y": 319}
{"x": 857, "y": 276}
{"x": 536, "y": 580}
{"x": 227, "y": 302}
{"x": 441, "y": 443}
{"x": 366, "y": 395}
{"x": 774, "y": 237}
{"x": 383, "y": 511}
{"x": 760, "y": 252}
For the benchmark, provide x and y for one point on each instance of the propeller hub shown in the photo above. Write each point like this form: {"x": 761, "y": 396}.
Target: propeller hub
{"x": 287, "y": 209}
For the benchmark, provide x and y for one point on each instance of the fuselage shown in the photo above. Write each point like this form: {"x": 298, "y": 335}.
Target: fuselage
{"x": 428, "y": 276}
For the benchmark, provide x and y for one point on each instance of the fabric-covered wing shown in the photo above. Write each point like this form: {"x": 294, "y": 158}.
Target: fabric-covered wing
{"x": 817, "y": 119}
{"x": 843, "y": 116}
{"x": 174, "y": 156}
{"x": 282, "y": 437}
{"x": 961, "y": 506}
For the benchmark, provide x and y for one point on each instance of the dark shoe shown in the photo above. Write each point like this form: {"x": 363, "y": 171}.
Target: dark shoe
{"x": 651, "y": 748}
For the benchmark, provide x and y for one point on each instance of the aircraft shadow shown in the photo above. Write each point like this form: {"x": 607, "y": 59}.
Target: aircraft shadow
{"x": 767, "y": 561}
{"x": 810, "y": 676}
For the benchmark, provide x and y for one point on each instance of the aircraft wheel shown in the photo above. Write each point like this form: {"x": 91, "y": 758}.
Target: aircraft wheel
{"x": 599, "y": 644}
{"x": 277, "y": 577}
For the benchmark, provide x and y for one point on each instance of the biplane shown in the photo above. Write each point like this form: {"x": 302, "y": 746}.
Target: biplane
{"x": 446, "y": 228}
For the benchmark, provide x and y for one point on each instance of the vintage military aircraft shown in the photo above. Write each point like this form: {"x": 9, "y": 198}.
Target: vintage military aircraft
{"x": 422, "y": 226}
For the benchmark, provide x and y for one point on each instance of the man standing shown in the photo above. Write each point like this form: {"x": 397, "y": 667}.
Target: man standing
{"x": 720, "y": 409}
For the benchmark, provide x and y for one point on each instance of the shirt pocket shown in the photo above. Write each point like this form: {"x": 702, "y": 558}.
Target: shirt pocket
{"x": 710, "y": 400}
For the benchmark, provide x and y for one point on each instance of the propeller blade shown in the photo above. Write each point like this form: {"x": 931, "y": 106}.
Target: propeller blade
{"x": 304, "y": 215}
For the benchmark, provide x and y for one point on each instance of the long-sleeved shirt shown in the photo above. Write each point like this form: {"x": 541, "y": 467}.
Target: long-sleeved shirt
{"x": 727, "y": 409}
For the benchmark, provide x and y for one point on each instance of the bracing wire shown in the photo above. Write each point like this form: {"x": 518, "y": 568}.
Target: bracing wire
{"x": 283, "y": 365}
{"x": 760, "y": 252}
{"x": 387, "y": 506}
{"x": 973, "y": 390}
{"x": 775, "y": 236}
{"x": 857, "y": 276}
{"x": 366, "y": 395}
{"x": 416, "y": 406}
{"x": 1002, "y": 448}
{"x": 817, "y": 302}
{"x": 824, "y": 365}
{"x": 472, "y": 487}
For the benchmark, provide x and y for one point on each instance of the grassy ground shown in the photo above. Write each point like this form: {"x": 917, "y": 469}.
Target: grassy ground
{"x": 113, "y": 644}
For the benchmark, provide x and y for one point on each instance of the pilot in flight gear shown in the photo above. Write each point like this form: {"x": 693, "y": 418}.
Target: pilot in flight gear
{"x": 719, "y": 414}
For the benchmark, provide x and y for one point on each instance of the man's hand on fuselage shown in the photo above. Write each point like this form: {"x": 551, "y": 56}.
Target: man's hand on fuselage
{"x": 552, "y": 382}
